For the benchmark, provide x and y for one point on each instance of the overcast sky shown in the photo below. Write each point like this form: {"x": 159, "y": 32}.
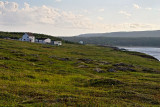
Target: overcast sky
{"x": 74, "y": 17}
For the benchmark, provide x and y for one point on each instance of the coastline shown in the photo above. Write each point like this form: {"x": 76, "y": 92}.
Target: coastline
{"x": 151, "y": 51}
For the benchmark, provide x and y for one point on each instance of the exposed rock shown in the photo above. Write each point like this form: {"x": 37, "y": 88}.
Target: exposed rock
{"x": 125, "y": 69}
{"x": 116, "y": 48}
{"x": 4, "y": 58}
{"x": 157, "y": 72}
{"x": 112, "y": 70}
{"x": 99, "y": 70}
{"x": 147, "y": 70}
{"x": 53, "y": 56}
{"x": 82, "y": 66}
{"x": 133, "y": 70}
{"x": 121, "y": 69}
{"x": 150, "y": 70}
{"x": 58, "y": 58}
{"x": 142, "y": 55}
{"x": 123, "y": 64}
{"x": 85, "y": 60}
{"x": 34, "y": 59}
{"x": 3, "y": 66}
{"x": 78, "y": 62}
{"x": 149, "y": 57}
{"x": 64, "y": 59}
{"x": 104, "y": 63}
{"x": 51, "y": 62}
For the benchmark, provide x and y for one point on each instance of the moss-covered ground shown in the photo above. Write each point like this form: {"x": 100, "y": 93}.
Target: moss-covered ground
{"x": 34, "y": 74}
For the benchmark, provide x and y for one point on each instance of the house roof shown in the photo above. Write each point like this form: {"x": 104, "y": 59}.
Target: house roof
{"x": 42, "y": 38}
{"x": 30, "y": 34}
{"x": 57, "y": 41}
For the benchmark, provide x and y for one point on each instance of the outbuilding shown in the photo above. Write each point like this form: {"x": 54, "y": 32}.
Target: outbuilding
{"x": 58, "y": 43}
{"x": 45, "y": 41}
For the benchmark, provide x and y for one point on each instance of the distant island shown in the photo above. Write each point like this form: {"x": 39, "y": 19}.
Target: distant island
{"x": 136, "y": 38}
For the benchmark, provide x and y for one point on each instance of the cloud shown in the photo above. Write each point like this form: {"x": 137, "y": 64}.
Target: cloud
{"x": 8, "y": 6}
{"x": 100, "y": 18}
{"x": 11, "y": 14}
{"x": 125, "y": 13}
{"x": 58, "y": 0}
{"x": 44, "y": 19}
{"x": 101, "y": 10}
{"x": 136, "y": 6}
{"x": 148, "y": 8}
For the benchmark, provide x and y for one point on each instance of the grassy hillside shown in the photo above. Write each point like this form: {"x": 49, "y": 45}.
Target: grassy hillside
{"x": 75, "y": 75}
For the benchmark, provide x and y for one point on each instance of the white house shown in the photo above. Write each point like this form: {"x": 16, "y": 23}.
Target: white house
{"x": 58, "y": 43}
{"x": 81, "y": 42}
{"x": 48, "y": 40}
{"x": 28, "y": 37}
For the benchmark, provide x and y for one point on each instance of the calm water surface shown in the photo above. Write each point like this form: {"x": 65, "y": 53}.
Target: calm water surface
{"x": 155, "y": 52}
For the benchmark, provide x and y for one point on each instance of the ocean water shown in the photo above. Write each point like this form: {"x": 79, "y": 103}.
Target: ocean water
{"x": 155, "y": 52}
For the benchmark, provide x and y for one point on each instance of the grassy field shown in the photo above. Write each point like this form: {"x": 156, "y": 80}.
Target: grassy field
{"x": 34, "y": 74}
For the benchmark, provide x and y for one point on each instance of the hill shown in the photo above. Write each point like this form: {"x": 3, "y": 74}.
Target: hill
{"x": 125, "y": 34}
{"x": 34, "y": 74}
{"x": 118, "y": 41}
{"x": 137, "y": 38}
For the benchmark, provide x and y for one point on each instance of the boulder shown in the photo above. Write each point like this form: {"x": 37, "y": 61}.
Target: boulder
{"x": 99, "y": 70}
{"x": 64, "y": 59}
{"x": 82, "y": 66}
{"x": 112, "y": 70}
{"x": 123, "y": 64}
{"x": 103, "y": 63}
{"x": 86, "y": 60}
{"x": 125, "y": 69}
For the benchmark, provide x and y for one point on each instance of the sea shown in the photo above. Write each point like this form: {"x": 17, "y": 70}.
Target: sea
{"x": 155, "y": 52}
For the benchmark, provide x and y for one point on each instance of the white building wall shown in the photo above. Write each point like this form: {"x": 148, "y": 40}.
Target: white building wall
{"x": 25, "y": 37}
{"x": 32, "y": 38}
{"x": 28, "y": 38}
{"x": 47, "y": 40}
{"x": 81, "y": 42}
{"x": 58, "y": 43}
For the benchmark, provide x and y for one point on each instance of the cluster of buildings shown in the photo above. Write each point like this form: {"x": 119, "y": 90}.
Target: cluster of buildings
{"x": 30, "y": 38}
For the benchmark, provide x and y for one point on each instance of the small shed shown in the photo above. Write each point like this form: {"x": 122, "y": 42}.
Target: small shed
{"x": 58, "y": 43}
{"x": 48, "y": 40}
{"x": 45, "y": 41}
{"x": 81, "y": 42}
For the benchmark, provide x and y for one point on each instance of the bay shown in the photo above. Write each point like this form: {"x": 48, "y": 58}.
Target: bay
{"x": 155, "y": 52}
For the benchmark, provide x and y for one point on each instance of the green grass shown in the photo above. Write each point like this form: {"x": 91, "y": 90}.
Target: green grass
{"x": 42, "y": 75}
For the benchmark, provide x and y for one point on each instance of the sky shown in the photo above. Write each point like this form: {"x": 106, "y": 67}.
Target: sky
{"x": 74, "y": 17}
